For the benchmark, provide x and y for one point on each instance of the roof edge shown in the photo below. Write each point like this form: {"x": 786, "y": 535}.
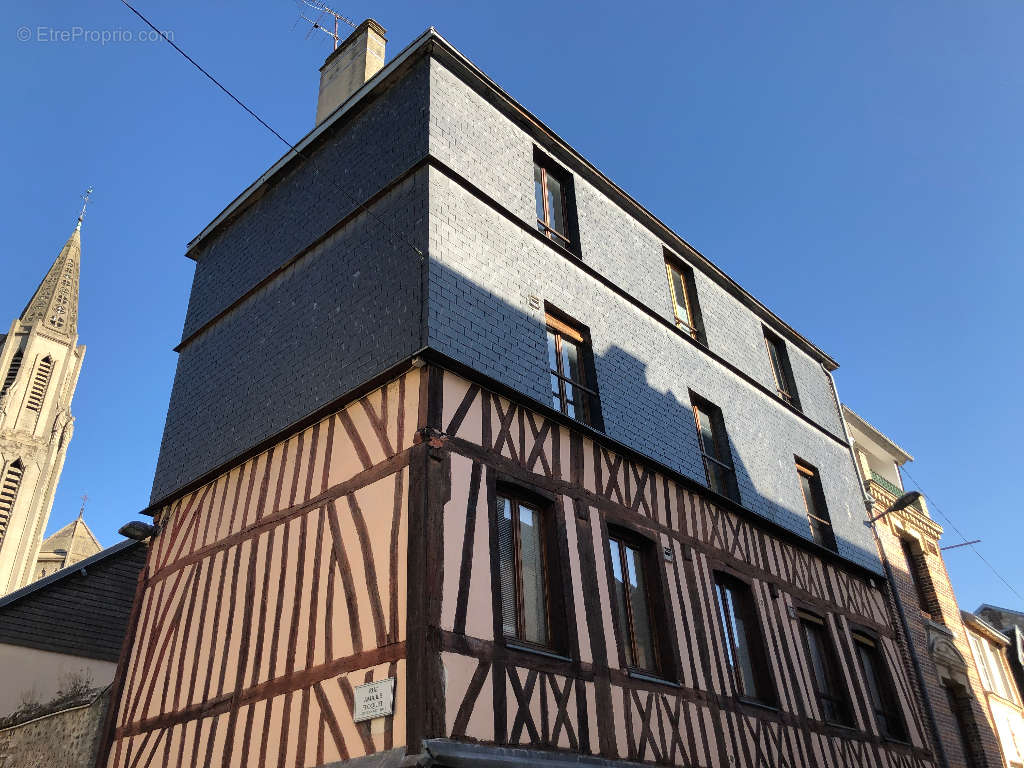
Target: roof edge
{"x": 63, "y": 573}
{"x": 864, "y": 425}
{"x": 978, "y": 624}
{"x": 431, "y": 35}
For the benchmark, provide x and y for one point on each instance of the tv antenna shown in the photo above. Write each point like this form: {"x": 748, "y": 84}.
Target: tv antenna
{"x": 323, "y": 10}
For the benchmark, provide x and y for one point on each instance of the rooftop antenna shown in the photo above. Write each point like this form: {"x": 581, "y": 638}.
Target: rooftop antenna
{"x": 322, "y": 9}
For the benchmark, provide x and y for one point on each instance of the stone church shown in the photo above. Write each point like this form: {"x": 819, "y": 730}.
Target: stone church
{"x": 40, "y": 360}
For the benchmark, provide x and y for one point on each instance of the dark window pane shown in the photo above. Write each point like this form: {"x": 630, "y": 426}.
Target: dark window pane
{"x": 824, "y": 664}
{"x": 619, "y": 597}
{"x": 883, "y": 700}
{"x": 719, "y": 479}
{"x": 535, "y": 621}
{"x": 556, "y": 205}
{"x": 707, "y": 435}
{"x": 642, "y": 631}
{"x": 571, "y": 360}
{"x": 507, "y": 568}
{"x": 538, "y": 183}
{"x": 552, "y": 350}
{"x": 808, "y": 491}
{"x": 736, "y": 612}
{"x": 681, "y": 299}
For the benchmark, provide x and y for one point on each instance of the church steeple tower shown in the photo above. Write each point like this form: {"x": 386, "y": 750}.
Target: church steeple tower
{"x": 40, "y": 360}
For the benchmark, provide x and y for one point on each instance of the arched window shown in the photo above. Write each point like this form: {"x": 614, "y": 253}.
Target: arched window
{"x": 12, "y": 372}
{"x": 9, "y": 493}
{"x": 37, "y": 392}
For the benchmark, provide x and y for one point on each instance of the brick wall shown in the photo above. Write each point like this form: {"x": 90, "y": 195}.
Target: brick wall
{"x": 927, "y": 625}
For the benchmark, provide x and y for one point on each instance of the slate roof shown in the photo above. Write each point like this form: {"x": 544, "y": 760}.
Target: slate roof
{"x": 81, "y": 610}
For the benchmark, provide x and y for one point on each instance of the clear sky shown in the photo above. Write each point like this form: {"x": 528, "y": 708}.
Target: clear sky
{"x": 856, "y": 166}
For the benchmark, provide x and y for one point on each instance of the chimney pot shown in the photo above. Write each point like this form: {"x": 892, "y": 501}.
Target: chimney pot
{"x": 359, "y": 57}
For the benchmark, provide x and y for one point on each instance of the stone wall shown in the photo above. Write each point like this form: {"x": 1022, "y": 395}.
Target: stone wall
{"x": 65, "y": 739}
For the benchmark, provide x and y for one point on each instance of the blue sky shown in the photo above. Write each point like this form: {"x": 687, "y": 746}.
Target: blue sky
{"x": 856, "y": 166}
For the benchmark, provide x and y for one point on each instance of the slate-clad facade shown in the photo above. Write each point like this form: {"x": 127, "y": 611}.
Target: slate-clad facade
{"x": 364, "y": 385}
{"x": 303, "y": 272}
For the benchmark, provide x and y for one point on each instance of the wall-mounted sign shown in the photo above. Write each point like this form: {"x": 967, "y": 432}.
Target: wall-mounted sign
{"x": 376, "y": 699}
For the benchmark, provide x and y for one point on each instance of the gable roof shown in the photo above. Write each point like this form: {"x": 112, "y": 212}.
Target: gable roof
{"x": 81, "y": 610}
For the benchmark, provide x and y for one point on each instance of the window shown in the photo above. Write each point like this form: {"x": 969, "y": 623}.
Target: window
{"x": 814, "y": 502}
{"x": 981, "y": 662}
{"x": 881, "y": 695}
{"x": 12, "y": 372}
{"x": 828, "y": 685}
{"x": 9, "y": 493}
{"x": 553, "y": 190}
{"x": 714, "y": 446}
{"x": 631, "y": 588}
{"x": 781, "y": 370}
{"x": 684, "y": 299}
{"x": 966, "y": 729}
{"x": 918, "y": 574}
{"x": 37, "y": 392}
{"x": 524, "y": 571}
{"x": 571, "y": 392}
{"x": 744, "y": 645}
{"x": 990, "y": 666}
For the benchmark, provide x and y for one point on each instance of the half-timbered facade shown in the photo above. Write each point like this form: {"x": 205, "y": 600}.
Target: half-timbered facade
{"x": 456, "y": 416}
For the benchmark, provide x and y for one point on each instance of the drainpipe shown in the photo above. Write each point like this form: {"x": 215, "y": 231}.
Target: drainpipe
{"x": 869, "y": 504}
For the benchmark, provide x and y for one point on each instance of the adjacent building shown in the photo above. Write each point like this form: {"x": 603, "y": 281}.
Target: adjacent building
{"x": 40, "y": 360}
{"x": 995, "y": 637}
{"x": 1010, "y": 623}
{"x": 469, "y": 459}
{"x": 65, "y": 547}
{"x": 60, "y": 639}
{"x": 955, "y": 685}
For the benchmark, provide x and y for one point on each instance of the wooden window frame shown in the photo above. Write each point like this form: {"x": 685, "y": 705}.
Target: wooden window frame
{"x": 840, "y": 697}
{"x": 785, "y": 384}
{"x": 722, "y": 448}
{"x": 569, "y": 239}
{"x": 687, "y": 313}
{"x": 890, "y": 712}
{"x": 551, "y": 558}
{"x": 647, "y": 556}
{"x": 768, "y": 697}
{"x": 809, "y": 471}
{"x": 588, "y": 402}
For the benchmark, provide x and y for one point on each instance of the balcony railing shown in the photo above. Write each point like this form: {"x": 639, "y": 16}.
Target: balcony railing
{"x": 894, "y": 489}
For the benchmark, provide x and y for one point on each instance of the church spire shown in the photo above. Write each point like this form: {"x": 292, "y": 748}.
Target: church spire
{"x": 54, "y": 306}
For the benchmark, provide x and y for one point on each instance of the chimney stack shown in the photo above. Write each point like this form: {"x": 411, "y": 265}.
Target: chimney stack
{"x": 359, "y": 57}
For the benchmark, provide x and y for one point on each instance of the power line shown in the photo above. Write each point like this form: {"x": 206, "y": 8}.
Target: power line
{"x": 971, "y": 544}
{"x": 292, "y": 147}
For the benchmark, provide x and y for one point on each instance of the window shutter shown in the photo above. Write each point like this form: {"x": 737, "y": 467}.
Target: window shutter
{"x": 40, "y": 382}
{"x": 12, "y": 372}
{"x": 9, "y": 494}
